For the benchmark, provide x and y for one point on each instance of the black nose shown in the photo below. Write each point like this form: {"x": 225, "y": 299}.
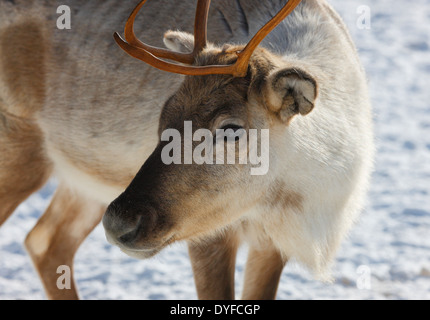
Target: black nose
{"x": 130, "y": 227}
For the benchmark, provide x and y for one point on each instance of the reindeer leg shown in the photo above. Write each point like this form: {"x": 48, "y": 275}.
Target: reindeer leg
{"x": 23, "y": 166}
{"x": 213, "y": 265}
{"x": 57, "y": 236}
{"x": 263, "y": 272}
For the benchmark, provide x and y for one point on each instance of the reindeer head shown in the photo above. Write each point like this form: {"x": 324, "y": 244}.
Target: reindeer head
{"x": 240, "y": 91}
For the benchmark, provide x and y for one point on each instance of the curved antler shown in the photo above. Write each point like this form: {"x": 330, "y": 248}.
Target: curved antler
{"x": 153, "y": 55}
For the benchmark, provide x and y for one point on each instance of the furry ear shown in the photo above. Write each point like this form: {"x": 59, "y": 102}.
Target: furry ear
{"x": 179, "y": 41}
{"x": 289, "y": 92}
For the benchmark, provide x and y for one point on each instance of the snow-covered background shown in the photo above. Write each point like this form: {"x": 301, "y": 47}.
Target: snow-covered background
{"x": 392, "y": 239}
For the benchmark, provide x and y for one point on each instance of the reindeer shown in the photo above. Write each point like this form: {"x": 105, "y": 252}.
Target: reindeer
{"x": 73, "y": 105}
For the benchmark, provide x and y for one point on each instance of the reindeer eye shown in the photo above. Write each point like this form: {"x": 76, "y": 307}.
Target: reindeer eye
{"x": 233, "y": 127}
{"x": 232, "y": 131}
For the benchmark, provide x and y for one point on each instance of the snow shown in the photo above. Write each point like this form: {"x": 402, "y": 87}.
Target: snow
{"x": 387, "y": 255}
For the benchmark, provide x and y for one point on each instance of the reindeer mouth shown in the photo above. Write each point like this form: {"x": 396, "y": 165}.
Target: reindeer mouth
{"x": 141, "y": 254}
{"x": 146, "y": 253}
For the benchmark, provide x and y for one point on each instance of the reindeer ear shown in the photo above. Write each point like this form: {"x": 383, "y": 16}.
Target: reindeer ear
{"x": 289, "y": 92}
{"x": 179, "y": 41}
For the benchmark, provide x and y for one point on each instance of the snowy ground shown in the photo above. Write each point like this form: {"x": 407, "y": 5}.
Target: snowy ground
{"x": 391, "y": 243}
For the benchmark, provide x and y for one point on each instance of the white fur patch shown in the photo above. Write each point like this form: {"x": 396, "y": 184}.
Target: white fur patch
{"x": 179, "y": 41}
{"x": 86, "y": 184}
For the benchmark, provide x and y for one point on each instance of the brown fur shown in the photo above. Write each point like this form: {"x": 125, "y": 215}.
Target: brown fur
{"x": 215, "y": 259}
{"x": 56, "y": 237}
{"x": 23, "y": 162}
{"x": 263, "y": 272}
{"x": 23, "y": 165}
{"x": 279, "y": 195}
{"x": 22, "y": 64}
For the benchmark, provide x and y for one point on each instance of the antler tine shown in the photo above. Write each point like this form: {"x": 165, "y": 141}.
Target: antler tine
{"x": 245, "y": 54}
{"x": 201, "y": 25}
{"x": 200, "y": 34}
{"x": 131, "y": 38}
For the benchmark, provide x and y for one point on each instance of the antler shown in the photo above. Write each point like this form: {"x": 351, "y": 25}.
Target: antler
{"x": 153, "y": 56}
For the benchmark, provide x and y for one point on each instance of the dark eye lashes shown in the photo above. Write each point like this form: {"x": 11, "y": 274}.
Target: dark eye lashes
{"x": 233, "y": 127}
